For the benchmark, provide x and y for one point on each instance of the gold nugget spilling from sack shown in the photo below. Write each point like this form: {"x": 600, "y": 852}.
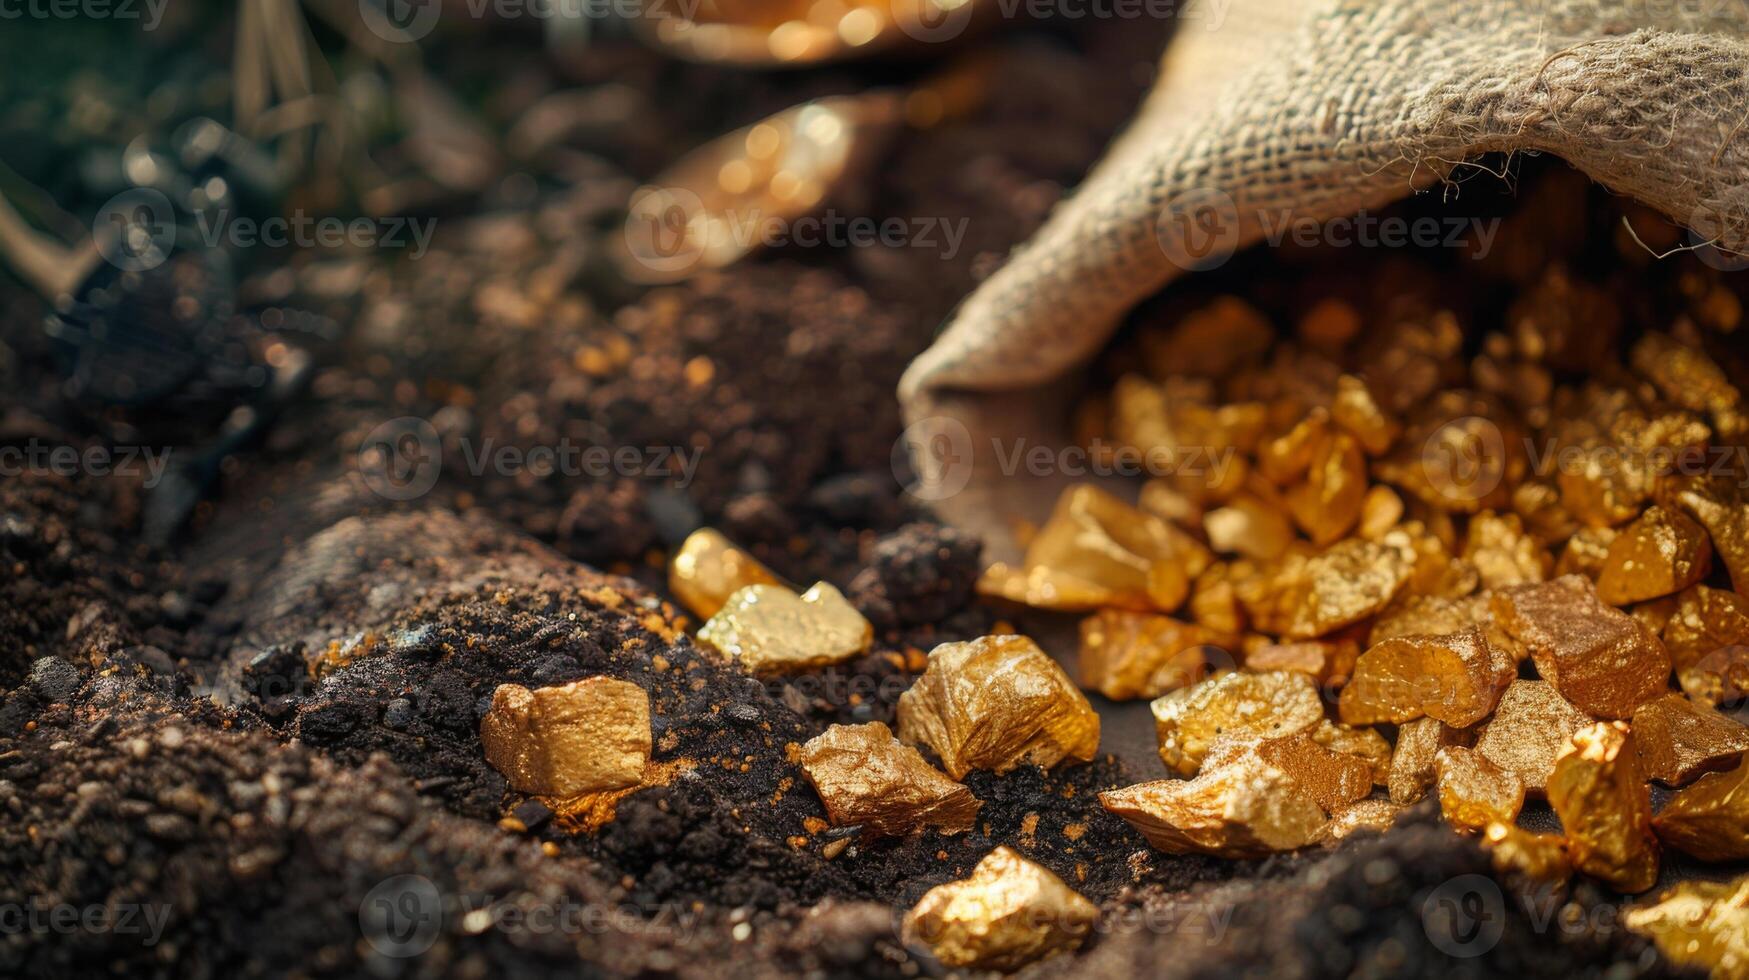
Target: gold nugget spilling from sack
{"x": 994, "y": 703}
{"x": 1009, "y": 913}
{"x": 1383, "y": 537}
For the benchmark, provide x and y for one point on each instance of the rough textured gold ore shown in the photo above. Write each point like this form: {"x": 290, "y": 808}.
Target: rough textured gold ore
{"x": 1679, "y": 740}
{"x": 1455, "y": 456}
{"x": 1127, "y": 655}
{"x": 1045, "y": 588}
{"x": 583, "y": 737}
{"x": 1542, "y": 857}
{"x": 1457, "y": 678}
{"x": 1661, "y": 552}
{"x": 1701, "y": 925}
{"x": 1331, "y": 778}
{"x": 1362, "y": 743}
{"x": 1239, "y": 705}
{"x": 1214, "y": 603}
{"x": 1431, "y": 615}
{"x": 1436, "y": 571}
{"x": 1503, "y": 553}
{"x": 1374, "y": 815}
{"x": 1474, "y": 792}
{"x": 1329, "y": 661}
{"x": 1347, "y": 583}
{"x": 1093, "y": 537}
{"x": 1008, "y": 913}
{"x": 709, "y": 568}
{"x": 994, "y": 703}
{"x": 1238, "y": 807}
{"x": 867, "y": 778}
{"x": 1600, "y": 795}
{"x": 1586, "y": 552}
{"x": 1529, "y": 728}
{"x": 1720, "y": 506}
{"x": 1412, "y": 760}
{"x": 1354, "y": 409}
{"x": 1248, "y": 525}
{"x": 1708, "y": 639}
{"x": 1328, "y": 503}
{"x": 1598, "y": 657}
{"x": 1709, "y": 820}
{"x": 771, "y": 630}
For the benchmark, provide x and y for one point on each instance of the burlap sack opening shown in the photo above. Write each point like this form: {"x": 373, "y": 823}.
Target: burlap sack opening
{"x": 1325, "y": 108}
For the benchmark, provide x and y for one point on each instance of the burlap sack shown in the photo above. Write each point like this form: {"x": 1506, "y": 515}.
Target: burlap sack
{"x": 1325, "y": 108}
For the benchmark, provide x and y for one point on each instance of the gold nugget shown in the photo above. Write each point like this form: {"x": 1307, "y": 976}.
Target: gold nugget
{"x": 1474, "y": 792}
{"x": 994, "y": 703}
{"x": 770, "y": 630}
{"x": 1540, "y": 857}
{"x": 1328, "y": 662}
{"x": 1702, "y": 925}
{"x": 1720, "y": 507}
{"x": 1239, "y": 806}
{"x": 1600, "y": 795}
{"x": 1457, "y": 679}
{"x": 1126, "y": 655}
{"x": 867, "y": 777}
{"x": 1708, "y": 638}
{"x": 1529, "y": 728}
{"x": 708, "y": 569}
{"x": 1413, "y": 760}
{"x": 1709, "y": 820}
{"x": 1008, "y": 913}
{"x": 1345, "y": 584}
{"x": 1374, "y": 815}
{"x": 1598, "y": 657}
{"x": 1503, "y": 554}
{"x": 1679, "y": 740}
{"x": 1243, "y": 705}
{"x": 1365, "y": 744}
{"x": 1661, "y": 552}
{"x": 1092, "y": 536}
{"x": 1332, "y": 779}
{"x": 587, "y": 736}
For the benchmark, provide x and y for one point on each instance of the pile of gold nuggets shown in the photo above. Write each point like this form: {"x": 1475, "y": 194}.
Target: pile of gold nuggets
{"x": 1410, "y": 573}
